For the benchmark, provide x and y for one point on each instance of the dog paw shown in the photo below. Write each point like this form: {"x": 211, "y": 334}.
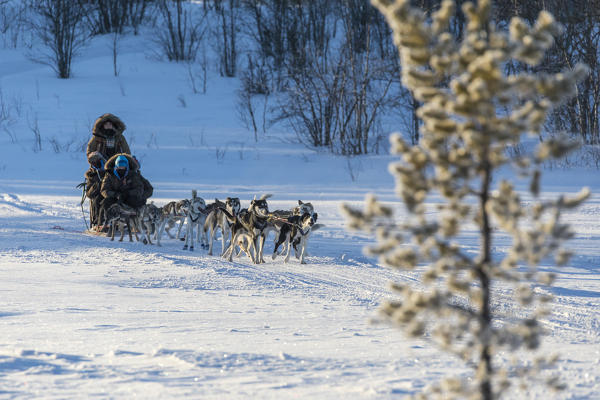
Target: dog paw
{"x": 274, "y": 256}
{"x": 145, "y": 241}
{"x": 185, "y": 247}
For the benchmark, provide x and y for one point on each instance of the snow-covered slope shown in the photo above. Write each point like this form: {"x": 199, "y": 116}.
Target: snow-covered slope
{"x": 84, "y": 317}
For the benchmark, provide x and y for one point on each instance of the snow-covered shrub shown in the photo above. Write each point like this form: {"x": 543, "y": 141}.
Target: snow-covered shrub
{"x": 471, "y": 112}
{"x": 181, "y": 29}
{"x": 59, "y": 25}
{"x": 12, "y": 26}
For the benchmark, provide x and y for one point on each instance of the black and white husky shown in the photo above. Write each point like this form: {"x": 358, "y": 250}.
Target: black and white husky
{"x": 295, "y": 232}
{"x": 252, "y": 221}
{"x": 120, "y": 216}
{"x": 218, "y": 219}
{"x": 303, "y": 208}
{"x": 172, "y": 213}
{"x": 195, "y": 218}
{"x": 278, "y": 217}
{"x": 147, "y": 221}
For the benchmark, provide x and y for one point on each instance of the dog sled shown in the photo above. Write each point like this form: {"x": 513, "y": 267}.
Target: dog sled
{"x": 243, "y": 231}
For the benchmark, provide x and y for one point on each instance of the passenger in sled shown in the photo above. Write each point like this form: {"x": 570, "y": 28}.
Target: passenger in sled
{"x": 123, "y": 183}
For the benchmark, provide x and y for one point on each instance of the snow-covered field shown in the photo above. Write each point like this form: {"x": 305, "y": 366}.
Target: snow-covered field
{"x": 84, "y": 317}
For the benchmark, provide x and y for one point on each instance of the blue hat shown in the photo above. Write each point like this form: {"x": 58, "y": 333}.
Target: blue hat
{"x": 122, "y": 161}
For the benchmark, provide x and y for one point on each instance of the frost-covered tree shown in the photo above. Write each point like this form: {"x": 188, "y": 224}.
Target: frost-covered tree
{"x": 471, "y": 113}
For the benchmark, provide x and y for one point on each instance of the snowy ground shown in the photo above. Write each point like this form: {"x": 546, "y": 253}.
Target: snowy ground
{"x": 84, "y": 317}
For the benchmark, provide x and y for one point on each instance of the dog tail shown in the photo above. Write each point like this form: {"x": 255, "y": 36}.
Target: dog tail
{"x": 264, "y": 196}
{"x": 229, "y": 216}
{"x": 194, "y": 193}
{"x": 316, "y": 227}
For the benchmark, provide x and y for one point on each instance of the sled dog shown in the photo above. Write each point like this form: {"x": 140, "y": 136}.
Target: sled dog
{"x": 195, "y": 217}
{"x": 148, "y": 219}
{"x": 120, "y": 216}
{"x": 251, "y": 221}
{"x": 277, "y": 218}
{"x": 217, "y": 219}
{"x": 296, "y": 229}
{"x": 172, "y": 213}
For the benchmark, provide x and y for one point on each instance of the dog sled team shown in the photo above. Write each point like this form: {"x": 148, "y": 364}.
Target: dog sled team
{"x": 118, "y": 195}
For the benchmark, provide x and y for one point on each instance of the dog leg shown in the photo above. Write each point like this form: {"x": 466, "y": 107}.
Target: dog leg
{"x": 211, "y": 240}
{"x": 280, "y": 239}
{"x": 302, "y": 249}
{"x": 201, "y": 237}
{"x": 224, "y": 232}
{"x": 261, "y": 248}
{"x": 140, "y": 227}
{"x": 229, "y": 252}
{"x": 128, "y": 225}
{"x": 253, "y": 249}
{"x": 135, "y": 232}
{"x": 160, "y": 230}
{"x": 112, "y": 231}
{"x": 210, "y": 236}
{"x": 148, "y": 228}
{"x": 249, "y": 249}
{"x": 204, "y": 240}
{"x": 289, "y": 245}
{"x": 143, "y": 228}
{"x": 168, "y": 230}
{"x": 133, "y": 227}
{"x": 180, "y": 228}
{"x": 296, "y": 251}
{"x": 122, "y": 229}
{"x": 191, "y": 235}
{"x": 187, "y": 237}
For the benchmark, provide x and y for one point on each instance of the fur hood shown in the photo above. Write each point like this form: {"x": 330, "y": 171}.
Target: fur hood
{"x": 116, "y": 121}
{"x": 133, "y": 164}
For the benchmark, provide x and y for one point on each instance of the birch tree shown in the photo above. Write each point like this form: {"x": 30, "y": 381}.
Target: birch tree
{"x": 471, "y": 112}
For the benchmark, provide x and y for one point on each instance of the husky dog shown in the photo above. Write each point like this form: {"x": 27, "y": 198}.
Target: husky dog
{"x": 251, "y": 221}
{"x": 173, "y": 212}
{"x": 245, "y": 244}
{"x": 195, "y": 218}
{"x": 278, "y": 217}
{"x": 148, "y": 219}
{"x": 120, "y": 216}
{"x": 219, "y": 219}
{"x": 303, "y": 208}
{"x": 296, "y": 228}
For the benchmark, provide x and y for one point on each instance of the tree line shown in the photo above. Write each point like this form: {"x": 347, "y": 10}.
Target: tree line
{"x": 327, "y": 69}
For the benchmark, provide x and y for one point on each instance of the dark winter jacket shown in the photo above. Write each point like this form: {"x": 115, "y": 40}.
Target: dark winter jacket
{"x": 108, "y": 143}
{"x": 129, "y": 189}
{"x": 93, "y": 179}
{"x": 148, "y": 189}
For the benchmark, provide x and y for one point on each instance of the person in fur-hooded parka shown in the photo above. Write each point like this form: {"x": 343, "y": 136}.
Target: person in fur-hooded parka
{"x": 122, "y": 182}
{"x": 93, "y": 179}
{"x": 107, "y": 137}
